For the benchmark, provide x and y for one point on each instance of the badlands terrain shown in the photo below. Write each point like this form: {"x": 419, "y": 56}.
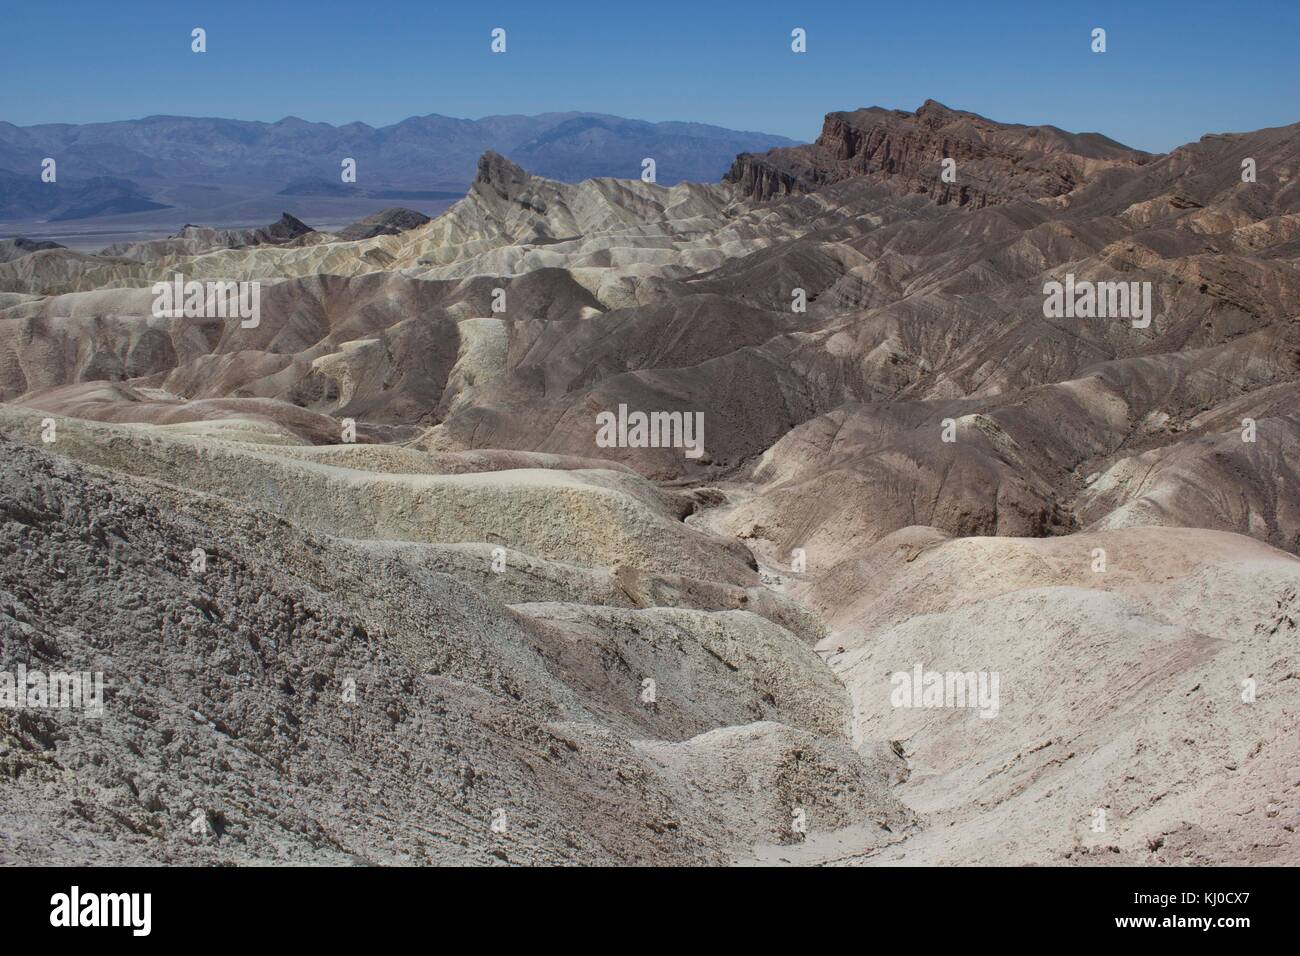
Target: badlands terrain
{"x": 476, "y": 634}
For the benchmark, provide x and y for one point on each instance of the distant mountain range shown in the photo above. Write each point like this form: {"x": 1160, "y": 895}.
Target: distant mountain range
{"x": 168, "y": 161}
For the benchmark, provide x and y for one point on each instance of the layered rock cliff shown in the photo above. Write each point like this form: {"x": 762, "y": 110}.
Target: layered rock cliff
{"x": 995, "y": 162}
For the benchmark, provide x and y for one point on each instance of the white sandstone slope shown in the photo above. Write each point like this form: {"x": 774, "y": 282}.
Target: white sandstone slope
{"x": 1162, "y": 690}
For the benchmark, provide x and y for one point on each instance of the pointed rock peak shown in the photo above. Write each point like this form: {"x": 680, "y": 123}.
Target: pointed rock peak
{"x": 935, "y": 113}
{"x": 503, "y": 176}
{"x": 288, "y": 226}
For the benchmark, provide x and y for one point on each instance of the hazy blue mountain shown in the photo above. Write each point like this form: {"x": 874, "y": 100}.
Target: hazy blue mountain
{"x": 27, "y": 196}
{"x": 151, "y": 159}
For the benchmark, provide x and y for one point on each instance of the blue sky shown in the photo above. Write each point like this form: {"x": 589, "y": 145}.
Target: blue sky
{"x": 1172, "y": 71}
